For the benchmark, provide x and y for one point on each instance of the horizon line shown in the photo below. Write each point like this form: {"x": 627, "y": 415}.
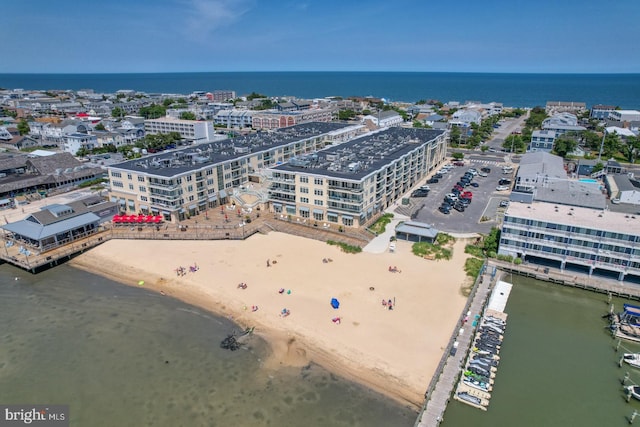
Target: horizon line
{"x": 322, "y": 71}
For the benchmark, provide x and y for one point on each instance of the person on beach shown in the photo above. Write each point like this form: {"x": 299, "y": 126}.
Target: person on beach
{"x": 384, "y": 303}
{"x": 268, "y": 263}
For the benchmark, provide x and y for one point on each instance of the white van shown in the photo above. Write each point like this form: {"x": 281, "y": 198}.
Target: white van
{"x": 507, "y": 169}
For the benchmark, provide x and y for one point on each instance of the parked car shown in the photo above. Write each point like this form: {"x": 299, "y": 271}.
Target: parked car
{"x": 502, "y": 188}
{"x": 458, "y": 187}
{"x": 433, "y": 180}
{"x": 485, "y": 169}
{"x": 474, "y": 184}
{"x": 459, "y": 207}
{"x": 445, "y": 210}
{"x": 467, "y": 195}
{"x": 483, "y": 174}
{"x": 425, "y": 188}
{"x": 420, "y": 193}
{"x": 504, "y": 181}
{"x": 458, "y": 163}
{"x": 504, "y": 203}
{"x": 438, "y": 175}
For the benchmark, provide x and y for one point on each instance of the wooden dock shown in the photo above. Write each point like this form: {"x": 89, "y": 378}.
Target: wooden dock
{"x": 448, "y": 372}
{"x": 30, "y": 259}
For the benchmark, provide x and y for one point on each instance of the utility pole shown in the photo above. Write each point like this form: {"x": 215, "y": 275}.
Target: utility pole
{"x": 604, "y": 133}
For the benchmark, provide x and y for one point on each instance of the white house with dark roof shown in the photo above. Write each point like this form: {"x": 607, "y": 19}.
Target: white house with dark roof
{"x": 384, "y": 119}
{"x": 562, "y": 123}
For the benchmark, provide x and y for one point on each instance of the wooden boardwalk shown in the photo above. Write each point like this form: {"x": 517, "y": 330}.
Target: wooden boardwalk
{"x": 34, "y": 261}
{"x": 448, "y": 372}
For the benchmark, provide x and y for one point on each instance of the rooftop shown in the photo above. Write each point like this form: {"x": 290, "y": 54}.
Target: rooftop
{"x": 179, "y": 161}
{"x": 362, "y": 156}
{"x": 576, "y": 216}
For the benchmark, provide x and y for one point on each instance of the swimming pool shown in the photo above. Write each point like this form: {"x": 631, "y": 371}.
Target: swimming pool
{"x": 588, "y": 180}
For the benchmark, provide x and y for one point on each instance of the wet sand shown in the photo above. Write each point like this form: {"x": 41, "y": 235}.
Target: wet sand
{"x": 392, "y": 351}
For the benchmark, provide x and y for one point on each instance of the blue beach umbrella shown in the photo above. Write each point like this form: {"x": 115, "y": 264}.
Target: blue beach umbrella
{"x": 335, "y": 303}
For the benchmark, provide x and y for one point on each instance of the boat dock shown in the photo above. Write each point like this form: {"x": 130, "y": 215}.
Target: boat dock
{"x": 447, "y": 373}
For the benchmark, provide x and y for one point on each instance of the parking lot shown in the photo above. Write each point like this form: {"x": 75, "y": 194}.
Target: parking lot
{"x": 485, "y": 203}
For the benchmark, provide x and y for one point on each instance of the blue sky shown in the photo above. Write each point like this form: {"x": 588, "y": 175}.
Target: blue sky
{"x": 543, "y": 36}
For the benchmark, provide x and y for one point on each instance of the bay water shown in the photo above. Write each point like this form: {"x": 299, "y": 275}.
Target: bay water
{"x": 125, "y": 356}
{"x": 558, "y": 364}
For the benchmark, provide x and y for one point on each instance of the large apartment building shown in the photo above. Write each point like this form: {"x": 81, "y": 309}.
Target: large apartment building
{"x": 280, "y": 119}
{"x": 192, "y": 130}
{"x": 566, "y": 223}
{"x": 573, "y": 238}
{"x": 348, "y": 184}
{"x": 190, "y": 180}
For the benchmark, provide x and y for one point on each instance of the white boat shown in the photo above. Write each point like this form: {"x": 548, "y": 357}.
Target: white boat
{"x": 632, "y": 359}
{"x": 634, "y": 390}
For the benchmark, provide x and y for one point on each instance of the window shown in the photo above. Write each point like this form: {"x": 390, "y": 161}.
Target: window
{"x": 189, "y": 188}
{"x": 318, "y": 192}
{"x": 304, "y": 200}
{"x": 130, "y": 186}
{"x": 142, "y": 189}
{"x": 140, "y": 178}
{"x": 304, "y": 179}
{"x": 188, "y": 178}
{"x": 129, "y": 176}
{"x": 318, "y": 202}
{"x": 116, "y": 174}
{"x": 304, "y": 190}
{"x": 318, "y": 181}
{"x": 143, "y": 198}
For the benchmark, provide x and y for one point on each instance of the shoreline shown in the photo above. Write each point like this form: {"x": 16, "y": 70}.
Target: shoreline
{"x": 392, "y": 352}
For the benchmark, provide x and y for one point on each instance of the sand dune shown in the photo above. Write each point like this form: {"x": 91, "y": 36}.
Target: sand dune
{"x": 393, "y": 351}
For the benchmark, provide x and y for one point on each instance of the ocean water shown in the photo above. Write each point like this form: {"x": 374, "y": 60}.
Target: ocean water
{"x": 558, "y": 364}
{"x": 123, "y": 356}
{"x": 513, "y": 90}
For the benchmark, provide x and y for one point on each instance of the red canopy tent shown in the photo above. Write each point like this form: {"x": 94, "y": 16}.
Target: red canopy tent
{"x": 158, "y": 219}
{"x": 140, "y": 218}
{"x": 117, "y": 219}
{"x": 127, "y": 218}
{"x": 149, "y": 219}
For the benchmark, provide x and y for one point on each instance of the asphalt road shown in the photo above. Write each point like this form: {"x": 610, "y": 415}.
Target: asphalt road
{"x": 486, "y": 200}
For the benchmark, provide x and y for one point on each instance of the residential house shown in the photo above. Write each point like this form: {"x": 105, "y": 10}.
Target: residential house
{"x": 542, "y": 140}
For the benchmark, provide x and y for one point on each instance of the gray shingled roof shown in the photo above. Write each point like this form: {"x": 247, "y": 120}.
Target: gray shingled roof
{"x": 48, "y": 164}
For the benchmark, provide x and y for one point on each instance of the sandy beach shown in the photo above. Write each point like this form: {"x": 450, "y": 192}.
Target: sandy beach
{"x": 392, "y": 351}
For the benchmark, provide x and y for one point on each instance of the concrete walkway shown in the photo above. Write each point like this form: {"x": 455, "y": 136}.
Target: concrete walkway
{"x": 380, "y": 243}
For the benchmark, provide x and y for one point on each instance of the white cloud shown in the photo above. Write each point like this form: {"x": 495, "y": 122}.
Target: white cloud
{"x": 206, "y": 16}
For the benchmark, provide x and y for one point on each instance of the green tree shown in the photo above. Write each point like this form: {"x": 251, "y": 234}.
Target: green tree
{"x": 100, "y": 126}
{"x": 153, "y": 111}
{"x": 82, "y": 152}
{"x": 591, "y": 140}
{"x": 255, "y": 95}
{"x": 492, "y": 240}
{"x": 182, "y": 101}
{"x": 117, "y": 112}
{"x": 23, "y": 127}
{"x": 564, "y": 145}
{"x": 611, "y": 145}
{"x": 515, "y": 144}
{"x": 632, "y": 148}
{"x": 168, "y": 101}
{"x": 346, "y": 114}
{"x": 418, "y": 124}
{"x": 457, "y": 155}
{"x": 455, "y": 135}
{"x": 188, "y": 115}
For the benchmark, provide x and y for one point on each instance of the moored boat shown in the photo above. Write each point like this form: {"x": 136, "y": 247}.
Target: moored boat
{"x": 632, "y": 359}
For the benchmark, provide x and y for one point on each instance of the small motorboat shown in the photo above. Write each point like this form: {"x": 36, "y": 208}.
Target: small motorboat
{"x": 634, "y": 390}
{"x": 632, "y": 359}
{"x": 469, "y": 398}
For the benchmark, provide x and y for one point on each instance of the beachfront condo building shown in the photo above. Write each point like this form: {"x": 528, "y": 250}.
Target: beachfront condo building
{"x": 187, "y": 181}
{"x": 593, "y": 241}
{"x": 191, "y": 130}
{"x": 348, "y": 184}
{"x": 273, "y": 119}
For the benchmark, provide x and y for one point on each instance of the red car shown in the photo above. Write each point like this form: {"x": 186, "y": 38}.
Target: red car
{"x": 466, "y": 195}
{"x": 458, "y": 163}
